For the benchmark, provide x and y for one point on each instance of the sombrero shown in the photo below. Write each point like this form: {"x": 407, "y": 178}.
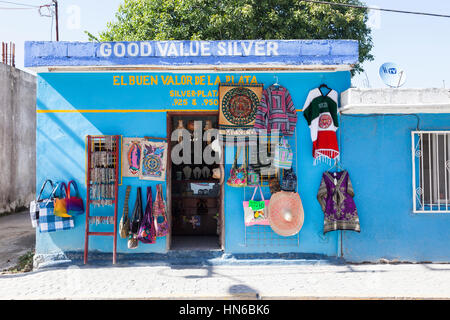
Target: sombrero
{"x": 286, "y": 213}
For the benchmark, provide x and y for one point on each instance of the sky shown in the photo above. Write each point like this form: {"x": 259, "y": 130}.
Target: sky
{"x": 420, "y": 45}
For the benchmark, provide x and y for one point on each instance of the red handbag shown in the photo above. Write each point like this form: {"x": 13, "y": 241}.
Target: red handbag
{"x": 159, "y": 211}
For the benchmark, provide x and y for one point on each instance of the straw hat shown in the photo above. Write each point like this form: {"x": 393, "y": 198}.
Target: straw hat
{"x": 286, "y": 213}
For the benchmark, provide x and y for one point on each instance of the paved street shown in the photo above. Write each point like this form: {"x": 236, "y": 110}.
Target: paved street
{"x": 406, "y": 281}
{"x": 17, "y": 237}
{"x": 142, "y": 280}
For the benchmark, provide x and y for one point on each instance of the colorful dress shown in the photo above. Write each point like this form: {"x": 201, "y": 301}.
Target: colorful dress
{"x": 320, "y": 111}
{"x": 276, "y": 111}
{"x": 336, "y": 199}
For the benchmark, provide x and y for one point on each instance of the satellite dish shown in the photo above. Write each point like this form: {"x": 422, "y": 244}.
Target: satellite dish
{"x": 392, "y": 75}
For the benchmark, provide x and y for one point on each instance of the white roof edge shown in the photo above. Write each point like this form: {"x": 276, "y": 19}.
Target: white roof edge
{"x": 395, "y": 101}
{"x": 393, "y": 109}
{"x": 194, "y": 68}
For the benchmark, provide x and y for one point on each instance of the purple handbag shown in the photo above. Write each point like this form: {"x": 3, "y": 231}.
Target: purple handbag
{"x": 74, "y": 203}
{"x": 147, "y": 233}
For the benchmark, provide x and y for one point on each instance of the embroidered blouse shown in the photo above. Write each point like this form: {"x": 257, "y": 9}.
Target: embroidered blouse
{"x": 336, "y": 199}
{"x": 276, "y": 111}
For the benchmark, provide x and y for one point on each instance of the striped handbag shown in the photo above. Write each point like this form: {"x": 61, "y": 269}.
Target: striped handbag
{"x": 283, "y": 155}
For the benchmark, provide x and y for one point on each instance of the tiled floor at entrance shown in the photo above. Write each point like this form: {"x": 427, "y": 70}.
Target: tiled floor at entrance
{"x": 195, "y": 243}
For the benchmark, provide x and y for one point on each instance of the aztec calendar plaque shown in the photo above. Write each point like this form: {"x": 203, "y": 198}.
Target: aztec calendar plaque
{"x": 238, "y": 105}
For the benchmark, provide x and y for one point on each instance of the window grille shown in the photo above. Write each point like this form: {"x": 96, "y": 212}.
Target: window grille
{"x": 431, "y": 174}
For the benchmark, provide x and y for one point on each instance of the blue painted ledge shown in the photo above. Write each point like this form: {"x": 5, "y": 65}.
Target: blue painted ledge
{"x": 183, "y": 258}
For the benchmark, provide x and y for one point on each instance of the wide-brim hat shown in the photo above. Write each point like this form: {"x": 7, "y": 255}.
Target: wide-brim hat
{"x": 286, "y": 214}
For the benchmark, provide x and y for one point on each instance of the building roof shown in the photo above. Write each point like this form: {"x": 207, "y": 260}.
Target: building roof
{"x": 226, "y": 55}
{"x": 389, "y": 100}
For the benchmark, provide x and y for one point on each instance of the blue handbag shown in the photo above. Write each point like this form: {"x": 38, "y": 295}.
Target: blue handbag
{"x": 34, "y": 205}
{"x": 48, "y": 221}
{"x": 289, "y": 182}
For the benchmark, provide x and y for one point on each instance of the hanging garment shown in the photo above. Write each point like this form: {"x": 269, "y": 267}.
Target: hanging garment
{"x": 320, "y": 111}
{"x": 276, "y": 111}
{"x": 336, "y": 199}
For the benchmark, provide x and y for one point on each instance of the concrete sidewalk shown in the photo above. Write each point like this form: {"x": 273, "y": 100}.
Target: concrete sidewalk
{"x": 17, "y": 237}
{"x": 381, "y": 281}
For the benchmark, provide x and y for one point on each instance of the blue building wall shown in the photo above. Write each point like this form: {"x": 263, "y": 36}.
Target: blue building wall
{"x": 73, "y": 105}
{"x": 376, "y": 150}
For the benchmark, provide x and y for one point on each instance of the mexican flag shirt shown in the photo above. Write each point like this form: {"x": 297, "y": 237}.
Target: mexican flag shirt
{"x": 320, "y": 111}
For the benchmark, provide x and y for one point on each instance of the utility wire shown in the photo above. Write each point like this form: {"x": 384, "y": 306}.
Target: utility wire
{"x": 20, "y": 4}
{"x": 375, "y": 8}
{"x": 26, "y": 6}
{"x": 9, "y": 8}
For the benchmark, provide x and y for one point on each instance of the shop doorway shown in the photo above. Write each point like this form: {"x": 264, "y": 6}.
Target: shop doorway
{"x": 194, "y": 197}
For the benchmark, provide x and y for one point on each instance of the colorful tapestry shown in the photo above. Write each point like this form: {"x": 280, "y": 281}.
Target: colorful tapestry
{"x": 238, "y": 104}
{"x": 131, "y": 156}
{"x": 153, "y": 161}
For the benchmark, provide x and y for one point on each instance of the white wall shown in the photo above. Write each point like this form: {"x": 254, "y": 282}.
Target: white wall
{"x": 17, "y": 138}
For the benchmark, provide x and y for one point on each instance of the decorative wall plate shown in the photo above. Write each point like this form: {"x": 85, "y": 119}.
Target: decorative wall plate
{"x": 238, "y": 104}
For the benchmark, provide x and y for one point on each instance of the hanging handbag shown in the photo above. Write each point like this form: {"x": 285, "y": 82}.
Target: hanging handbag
{"x": 34, "y": 205}
{"x": 135, "y": 222}
{"x": 60, "y": 202}
{"x": 238, "y": 176}
{"x": 48, "y": 221}
{"x": 289, "y": 182}
{"x": 256, "y": 212}
{"x": 136, "y": 217}
{"x": 124, "y": 225}
{"x": 274, "y": 185}
{"x": 283, "y": 155}
{"x": 74, "y": 204}
{"x": 159, "y": 210}
{"x": 147, "y": 233}
{"x": 133, "y": 241}
{"x": 252, "y": 177}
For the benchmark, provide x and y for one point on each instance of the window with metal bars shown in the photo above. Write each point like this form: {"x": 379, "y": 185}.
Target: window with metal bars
{"x": 431, "y": 175}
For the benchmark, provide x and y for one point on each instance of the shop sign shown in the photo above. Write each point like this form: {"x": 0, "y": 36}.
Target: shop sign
{"x": 189, "y": 48}
{"x": 186, "y": 52}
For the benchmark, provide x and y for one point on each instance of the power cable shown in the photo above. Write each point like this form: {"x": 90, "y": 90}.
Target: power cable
{"x": 8, "y": 8}
{"x": 375, "y": 8}
{"x": 26, "y": 6}
{"x": 20, "y": 4}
